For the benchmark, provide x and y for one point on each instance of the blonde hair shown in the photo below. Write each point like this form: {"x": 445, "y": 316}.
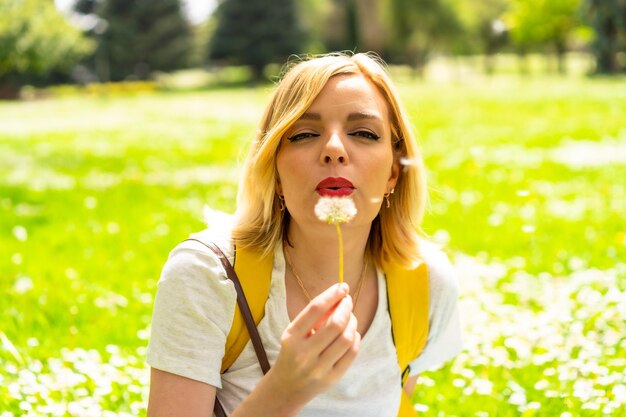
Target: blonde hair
{"x": 260, "y": 224}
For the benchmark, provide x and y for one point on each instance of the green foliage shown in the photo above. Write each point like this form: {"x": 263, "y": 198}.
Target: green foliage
{"x": 536, "y": 22}
{"x": 524, "y": 179}
{"x": 139, "y": 37}
{"x": 36, "y": 40}
{"x": 256, "y": 33}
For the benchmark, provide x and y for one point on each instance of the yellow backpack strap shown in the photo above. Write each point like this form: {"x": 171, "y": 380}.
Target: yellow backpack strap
{"x": 407, "y": 292}
{"x": 255, "y": 274}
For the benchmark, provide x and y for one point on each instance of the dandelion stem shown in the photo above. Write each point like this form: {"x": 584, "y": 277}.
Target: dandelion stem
{"x": 340, "y": 252}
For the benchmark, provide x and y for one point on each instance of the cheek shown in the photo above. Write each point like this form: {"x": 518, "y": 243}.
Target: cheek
{"x": 288, "y": 171}
{"x": 381, "y": 171}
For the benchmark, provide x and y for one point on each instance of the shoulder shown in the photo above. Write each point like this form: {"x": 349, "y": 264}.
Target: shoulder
{"x": 193, "y": 310}
{"x": 194, "y": 248}
{"x": 192, "y": 262}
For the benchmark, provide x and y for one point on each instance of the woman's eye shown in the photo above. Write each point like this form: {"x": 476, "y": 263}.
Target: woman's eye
{"x": 366, "y": 134}
{"x": 300, "y": 136}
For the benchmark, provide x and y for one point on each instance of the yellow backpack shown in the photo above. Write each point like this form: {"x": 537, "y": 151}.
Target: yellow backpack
{"x": 407, "y": 292}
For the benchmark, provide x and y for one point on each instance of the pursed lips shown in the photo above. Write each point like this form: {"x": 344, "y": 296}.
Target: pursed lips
{"x": 335, "y": 187}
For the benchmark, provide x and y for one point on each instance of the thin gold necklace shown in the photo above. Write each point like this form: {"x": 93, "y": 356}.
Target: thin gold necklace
{"x": 306, "y": 293}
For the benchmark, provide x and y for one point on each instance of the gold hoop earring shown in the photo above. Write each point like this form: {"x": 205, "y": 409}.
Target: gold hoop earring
{"x": 281, "y": 201}
{"x": 386, "y": 195}
{"x": 387, "y": 200}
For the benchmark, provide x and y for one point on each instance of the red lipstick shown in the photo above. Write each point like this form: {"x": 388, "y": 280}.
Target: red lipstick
{"x": 334, "y": 187}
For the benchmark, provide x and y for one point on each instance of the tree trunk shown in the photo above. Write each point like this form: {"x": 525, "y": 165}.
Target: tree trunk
{"x": 371, "y": 29}
{"x": 258, "y": 76}
{"x": 488, "y": 63}
{"x": 607, "y": 40}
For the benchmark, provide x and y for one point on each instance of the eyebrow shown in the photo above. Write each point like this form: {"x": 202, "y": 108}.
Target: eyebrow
{"x": 351, "y": 116}
{"x": 363, "y": 115}
{"x": 310, "y": 116}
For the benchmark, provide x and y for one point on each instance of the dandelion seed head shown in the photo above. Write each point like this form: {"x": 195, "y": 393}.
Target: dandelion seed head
{"x": 23, "y": 284}
{"x": 533, "y": 406}
{"x": 333, "y": 210}
{"x": 20, "y": 233}
{"x": 482, "y": 386}
{"x": 619, "y": 392}
{"x": 518, "y": 398}
{"x": 90, "y": 202}
{"x": 113, "y": 228}
{"x": 458, "y": 382}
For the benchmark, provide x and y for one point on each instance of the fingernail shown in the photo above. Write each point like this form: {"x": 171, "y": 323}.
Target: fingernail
{"x": 344, "y": 288}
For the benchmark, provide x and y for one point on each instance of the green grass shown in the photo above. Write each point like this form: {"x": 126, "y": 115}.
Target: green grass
{"x": 95, "y": 191}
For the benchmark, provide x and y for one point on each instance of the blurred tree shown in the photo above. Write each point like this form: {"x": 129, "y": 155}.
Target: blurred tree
{"x": 371, "y": 26}
{"x": 608, "y": 20}
{"x": 544, "y": 22}
{"x": 419, "y": 27}
{"x": 202, "y": 33}
{"x": 313, "y": 18}
{"x": 256, "y": 33}
{"x": 138, "y": 37}
{"x": 35, "y": 40}
{"x": 356, "y": 25}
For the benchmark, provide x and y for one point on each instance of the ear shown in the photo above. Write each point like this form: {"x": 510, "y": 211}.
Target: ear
{"x": 395, "y": 174}
{"x": 278, "y": 188}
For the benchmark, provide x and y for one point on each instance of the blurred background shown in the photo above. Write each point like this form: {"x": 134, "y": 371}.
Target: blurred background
{"x": 123, "y": 123}
{"x": 88, "y": 41}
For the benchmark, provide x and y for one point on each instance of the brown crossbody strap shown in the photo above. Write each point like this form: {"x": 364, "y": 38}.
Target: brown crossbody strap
{"x": 245, "y": 311}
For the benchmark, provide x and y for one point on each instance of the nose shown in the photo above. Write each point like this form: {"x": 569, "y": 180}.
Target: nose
{"x": 334, "y": 150}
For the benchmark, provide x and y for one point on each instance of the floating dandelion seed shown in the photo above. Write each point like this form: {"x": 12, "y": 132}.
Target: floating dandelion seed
{"x": 333, "y": 210}
{"x": 407, "y": 162}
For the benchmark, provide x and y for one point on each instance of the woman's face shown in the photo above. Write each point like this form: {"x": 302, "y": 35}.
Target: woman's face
{"x": 341, "y": 146}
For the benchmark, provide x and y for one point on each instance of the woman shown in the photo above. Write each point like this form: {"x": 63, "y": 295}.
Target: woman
{"x": 334, "y": 127}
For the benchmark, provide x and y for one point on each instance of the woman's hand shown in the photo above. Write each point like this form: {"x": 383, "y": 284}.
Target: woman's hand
{"x": 319, "y": 345}
{"x": 317, "y": 348}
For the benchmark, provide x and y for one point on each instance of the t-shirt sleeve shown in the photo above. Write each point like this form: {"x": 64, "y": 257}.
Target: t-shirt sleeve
{"x": 193, "y": 313}
{"x": 444, "y": 332}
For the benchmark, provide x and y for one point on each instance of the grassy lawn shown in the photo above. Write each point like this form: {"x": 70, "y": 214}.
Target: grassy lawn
{"x": 528, "y": 193}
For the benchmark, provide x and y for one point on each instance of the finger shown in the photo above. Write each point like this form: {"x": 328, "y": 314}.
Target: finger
{"x": 334, "y": 326}
{"x": 318, "y": 309}
{"x": 342, "y": 365}
{"x": 341, "y": 344}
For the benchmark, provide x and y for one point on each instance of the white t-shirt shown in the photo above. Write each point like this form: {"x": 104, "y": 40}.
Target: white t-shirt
{"x": 193, "y": 313}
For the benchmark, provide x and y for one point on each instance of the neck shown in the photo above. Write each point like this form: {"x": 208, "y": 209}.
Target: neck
{"x": 314, "y": 252}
